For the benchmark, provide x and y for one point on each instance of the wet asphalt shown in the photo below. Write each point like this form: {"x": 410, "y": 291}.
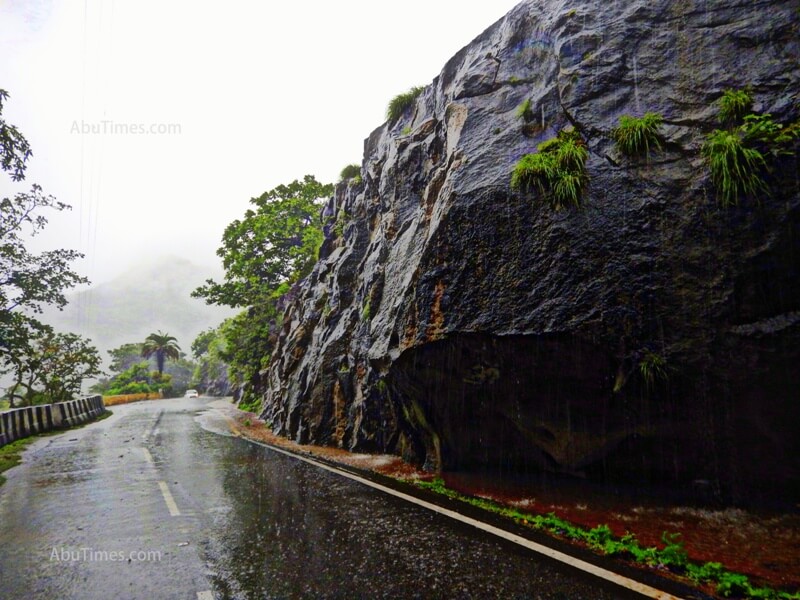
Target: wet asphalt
{"x": 158, "y": 502}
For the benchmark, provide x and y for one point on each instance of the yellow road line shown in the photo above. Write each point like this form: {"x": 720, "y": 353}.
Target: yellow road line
{"x": 173, "y": 508}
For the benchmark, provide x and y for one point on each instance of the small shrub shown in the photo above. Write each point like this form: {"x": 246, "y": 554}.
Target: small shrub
{"x": 350, "y": 172}
{"x": 250, "y": 403}
{"x": 601, "y": 538}
{"x": 735, "y": 167}
{"x": 673, "y": 554}
{"x": 652, "y": 367}
{"x": 733, "y": 583}
{"x": 636, "y": 136}
{"x": 524, "y": 111}
{"x": 557, "y": 170}
{"x": 342, "y": 219}
{"x": 734, "y": 105}
{"x": 768, "y": 136}
{"x": 365, "y": 312}
{"x": 534, "y": 170}
{"x": 401, "y": 103}
{"x": 406, "y": 130}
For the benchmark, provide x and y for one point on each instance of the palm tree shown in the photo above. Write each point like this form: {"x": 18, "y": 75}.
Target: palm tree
{"x": 163, "y": 345}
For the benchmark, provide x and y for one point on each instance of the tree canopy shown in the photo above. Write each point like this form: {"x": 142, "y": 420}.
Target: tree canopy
{"x": 275, "y": 243}
{"x": 30, "y": 349}
{"x": 264, "y": 253}
{"x": 162, "y": 346}
{"x": 14, "y": 148}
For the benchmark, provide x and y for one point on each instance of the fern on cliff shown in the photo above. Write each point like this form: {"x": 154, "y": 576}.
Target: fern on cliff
{"x": 557, "y": 171}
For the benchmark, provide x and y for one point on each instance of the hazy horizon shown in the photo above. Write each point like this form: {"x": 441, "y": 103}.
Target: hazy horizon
{"x": 158, "y": 122}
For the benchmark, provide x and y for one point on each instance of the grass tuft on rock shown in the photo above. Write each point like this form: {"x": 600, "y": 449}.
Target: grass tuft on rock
{"x": 525, "y": 111}
{"x": 401, "y": 103}
{"x": 735, "y": 168}
{"x": 636, "y": 136}
{"x": 556, "y": 171}
{"x": 734, "y": 105}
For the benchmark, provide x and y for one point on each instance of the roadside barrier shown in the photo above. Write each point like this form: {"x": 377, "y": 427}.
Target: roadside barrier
{"x": 22, "y": 422}
{"x": 127, "y": 398}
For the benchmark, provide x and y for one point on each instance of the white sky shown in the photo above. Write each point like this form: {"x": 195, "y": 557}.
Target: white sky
{"x": 263, "y": 93}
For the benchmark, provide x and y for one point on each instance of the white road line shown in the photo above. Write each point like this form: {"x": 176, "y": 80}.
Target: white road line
{"x": 147, "y": 456}
{"x": 205, "y": 596}
{"x": 153, "y": 431}
{"x": 173, "y": 508}
{"x": 577, "y": 563}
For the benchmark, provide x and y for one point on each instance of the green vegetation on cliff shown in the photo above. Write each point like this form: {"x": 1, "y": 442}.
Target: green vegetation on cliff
{"x": 734, "y": 105}
{"x": 742, "y": 156}
{"x": 557, "y": 170}
{"x": 264, "y": 253}
{"x": 401, "y": 103}
{"x": 350, "y": 172}
{"x": 637, "y": 136}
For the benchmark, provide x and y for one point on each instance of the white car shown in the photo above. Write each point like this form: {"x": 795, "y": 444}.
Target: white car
{"x": 191, "y": 394}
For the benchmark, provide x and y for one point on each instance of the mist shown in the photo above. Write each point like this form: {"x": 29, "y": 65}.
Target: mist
{"x": 158, "y": 121}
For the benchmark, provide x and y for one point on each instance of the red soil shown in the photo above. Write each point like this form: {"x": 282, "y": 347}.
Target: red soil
{"x": 764, "y": 546}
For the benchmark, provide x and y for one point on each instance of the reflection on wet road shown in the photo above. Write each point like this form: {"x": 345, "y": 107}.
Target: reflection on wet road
{"x": 235, "y": 519}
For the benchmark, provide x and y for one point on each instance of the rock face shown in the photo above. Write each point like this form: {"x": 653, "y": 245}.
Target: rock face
{"x": 466, "y": 326}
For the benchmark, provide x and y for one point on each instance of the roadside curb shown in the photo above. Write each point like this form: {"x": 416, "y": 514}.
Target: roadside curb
{"x": 612, "y": 574}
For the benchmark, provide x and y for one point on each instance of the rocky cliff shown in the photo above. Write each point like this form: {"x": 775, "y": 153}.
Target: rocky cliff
{"x": 649, "y": 335}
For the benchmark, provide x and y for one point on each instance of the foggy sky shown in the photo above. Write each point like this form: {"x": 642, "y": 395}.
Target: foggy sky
{"x": 158, "y": 121}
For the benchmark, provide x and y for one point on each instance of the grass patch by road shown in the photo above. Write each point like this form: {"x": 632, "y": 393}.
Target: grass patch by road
{"x": 672, "y": 557}
{"x": 11, "y": 454}
{"x": 666, "y": 554}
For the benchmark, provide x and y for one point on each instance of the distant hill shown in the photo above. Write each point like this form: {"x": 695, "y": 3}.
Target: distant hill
{"x": 144, "y": 299}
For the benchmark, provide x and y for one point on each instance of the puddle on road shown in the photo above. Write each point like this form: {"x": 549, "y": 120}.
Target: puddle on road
{"x": 213, "y": 421}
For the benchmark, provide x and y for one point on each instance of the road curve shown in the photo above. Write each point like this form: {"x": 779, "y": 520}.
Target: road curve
{"x": 149, "y": 504}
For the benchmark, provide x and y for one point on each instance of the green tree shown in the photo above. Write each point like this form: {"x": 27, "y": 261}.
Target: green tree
{"x": 162, "y": 346}
{"x": 14, "y": 148}
{"x": 67, "y": 359}
{"x": 136, "y": 379}
{"x": 53, "y": 367}
{"x": 27, "y": 280}
{"x": 275, "y": 243}
{"x": 125, "y": 356}
{"x": 272, "y": 247}
{"x": 211, "y": 370}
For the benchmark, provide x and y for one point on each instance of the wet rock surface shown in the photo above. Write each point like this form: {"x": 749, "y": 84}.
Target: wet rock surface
{"x": 462, "y": 325}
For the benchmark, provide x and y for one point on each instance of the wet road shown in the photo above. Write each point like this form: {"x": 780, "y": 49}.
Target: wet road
{"x": 151, "y": 504}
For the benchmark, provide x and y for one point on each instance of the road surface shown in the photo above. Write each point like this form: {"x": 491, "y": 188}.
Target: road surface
{"x": 156, "y": 502}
